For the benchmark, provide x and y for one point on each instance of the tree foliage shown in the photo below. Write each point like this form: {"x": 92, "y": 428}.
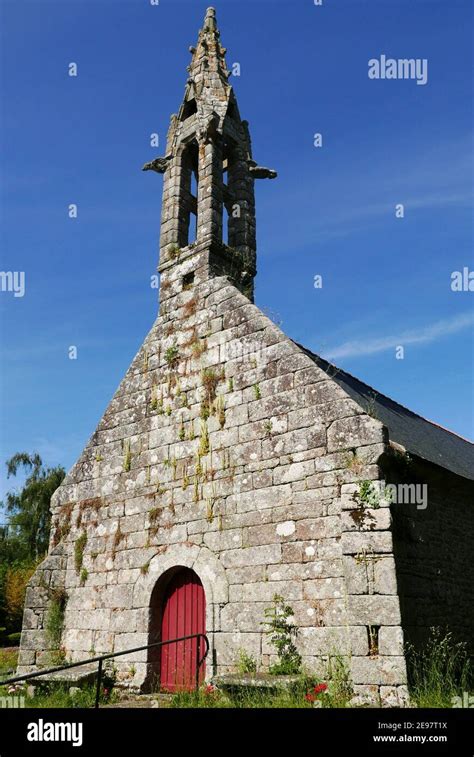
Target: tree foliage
{"x": 29, "y": 509}
{"x": 25, "y": 540}
{"x": 16, "y": 579}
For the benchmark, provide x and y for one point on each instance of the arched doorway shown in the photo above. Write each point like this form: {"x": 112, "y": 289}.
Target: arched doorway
{"x": 183, "y": 612}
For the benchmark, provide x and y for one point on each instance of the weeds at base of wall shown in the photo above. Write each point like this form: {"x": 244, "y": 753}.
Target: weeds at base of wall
{"x": 439, "y": 670}
{"x": 246, "y": 663}
{"x": 306, "y": 692}
{"x": 60, "y": 696}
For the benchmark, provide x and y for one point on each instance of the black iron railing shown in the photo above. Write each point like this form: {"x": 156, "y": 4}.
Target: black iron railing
{"x": 111, "y": 655}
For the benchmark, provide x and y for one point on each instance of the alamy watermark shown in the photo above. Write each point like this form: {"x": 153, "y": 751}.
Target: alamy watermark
{"x": 399, "y": 68}
{"x": 13, "y": 281}
{"x": 44, "y": 731}
{"x": 223, "y": 351}
{"x": 467, "y": 700}
{"x": 373, "y": 493}
{"x": 462, "y": 281}
{"x": 13, "y": 701}
{"x": 407, "y": 494}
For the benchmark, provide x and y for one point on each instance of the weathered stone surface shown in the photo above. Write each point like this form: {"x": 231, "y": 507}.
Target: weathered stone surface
{"x": 385, "y": 670}
{"x": 374, "y": 610}
{"x": 228, "y": 646}
{"x": 266, "y": 590}
{"x": 391, "y": 641}
{"x": 263, "y": 555}
{"x": 354, "y": 432}
{"x": 325, "y": 641}
{"x": 82, "y": 674}
{"x": 385, "y": 577}
{"x": 357, "y": 542}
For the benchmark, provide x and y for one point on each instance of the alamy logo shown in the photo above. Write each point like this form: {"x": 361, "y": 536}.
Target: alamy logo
{"x": 399, "y": 68}
{"x": 466, "y": 700}
{"x": 13, "y": 281}
{"x": 12, "y": 701}
{"x": 42, "y": 731}
{"x": 407, "y": 494}
{"x": 462, "y": 281}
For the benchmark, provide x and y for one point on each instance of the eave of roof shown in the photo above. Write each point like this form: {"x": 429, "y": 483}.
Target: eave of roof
{"x": 416, "y": 434}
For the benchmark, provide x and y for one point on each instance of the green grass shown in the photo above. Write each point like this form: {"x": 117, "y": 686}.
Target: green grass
{"x": 59, "y": 696}
{"x": 438, "y": 671}
{"x": 8, "y": 659}
{"x": 248, "y": 699}
{"x": 286, "y": 697}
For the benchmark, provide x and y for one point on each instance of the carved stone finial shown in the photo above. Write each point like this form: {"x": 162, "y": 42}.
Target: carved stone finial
{"x": 210, "y": 20}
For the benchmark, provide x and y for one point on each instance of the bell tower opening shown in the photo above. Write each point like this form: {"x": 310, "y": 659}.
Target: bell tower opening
{"x": 190, "y": 188}
{"x": 208, "y": 208}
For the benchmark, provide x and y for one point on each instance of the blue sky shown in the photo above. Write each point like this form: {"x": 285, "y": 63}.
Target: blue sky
{"x": 331, "y": 211}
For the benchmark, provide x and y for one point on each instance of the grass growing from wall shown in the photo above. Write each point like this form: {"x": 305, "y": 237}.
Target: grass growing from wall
{"x": 54, "y": 623}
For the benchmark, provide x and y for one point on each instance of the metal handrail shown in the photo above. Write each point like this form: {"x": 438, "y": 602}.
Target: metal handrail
{"x": 110, "y": 655}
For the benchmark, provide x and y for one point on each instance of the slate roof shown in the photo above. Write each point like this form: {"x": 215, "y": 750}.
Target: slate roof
{"x": 417, "y": 435}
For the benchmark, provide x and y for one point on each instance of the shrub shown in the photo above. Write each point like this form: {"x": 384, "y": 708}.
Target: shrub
{"x": 282, "y": 632}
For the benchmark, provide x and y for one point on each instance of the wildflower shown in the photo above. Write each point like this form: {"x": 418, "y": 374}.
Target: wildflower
{"x": 320, "y": 688}
{"x": 310, "y": 697}
{"x": 210, "y": 689}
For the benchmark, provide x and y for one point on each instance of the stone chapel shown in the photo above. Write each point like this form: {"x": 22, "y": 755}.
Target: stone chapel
{"x": 233, "y": 465}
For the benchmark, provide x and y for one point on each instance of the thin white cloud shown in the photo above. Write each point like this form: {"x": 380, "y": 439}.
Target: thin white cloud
{"x": 423, "y": 335}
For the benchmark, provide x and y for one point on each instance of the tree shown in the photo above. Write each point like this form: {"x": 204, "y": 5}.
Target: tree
{"x": 30, "y": 507}
{"x": 16, "y": 579}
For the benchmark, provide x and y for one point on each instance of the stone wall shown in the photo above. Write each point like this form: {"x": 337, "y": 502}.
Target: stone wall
{"x": 433, "y": 555}
{"x": 227, "y": 450}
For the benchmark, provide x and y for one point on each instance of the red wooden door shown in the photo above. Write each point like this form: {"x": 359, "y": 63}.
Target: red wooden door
{"x": 184, "y": 613}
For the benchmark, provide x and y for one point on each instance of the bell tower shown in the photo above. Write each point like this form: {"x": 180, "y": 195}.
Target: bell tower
{"x": 208, "y": 210}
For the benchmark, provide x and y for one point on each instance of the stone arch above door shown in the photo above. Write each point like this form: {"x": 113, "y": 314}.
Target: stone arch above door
{"x": 201, "y": 560}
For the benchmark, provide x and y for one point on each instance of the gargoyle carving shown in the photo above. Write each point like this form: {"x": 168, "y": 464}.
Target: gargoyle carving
{"x": 260, "y": 172}
{"x": 159, "y": 165}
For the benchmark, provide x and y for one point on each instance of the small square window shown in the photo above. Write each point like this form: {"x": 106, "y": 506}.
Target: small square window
{"x": 188, "y": 281}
